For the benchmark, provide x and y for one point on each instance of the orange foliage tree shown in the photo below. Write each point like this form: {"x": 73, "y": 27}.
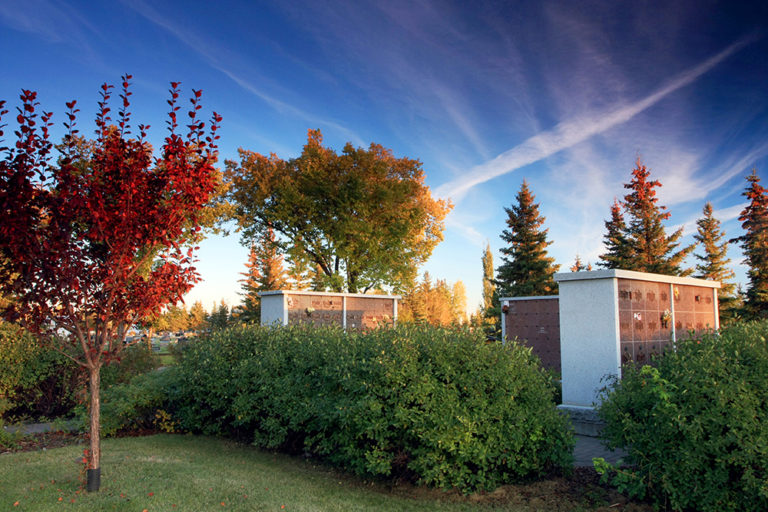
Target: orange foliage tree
{"x": 363, "y": 217}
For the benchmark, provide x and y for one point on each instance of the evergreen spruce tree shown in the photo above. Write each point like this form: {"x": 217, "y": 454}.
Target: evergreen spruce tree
{"x": 754, "y": 243}
{"x": 219, "y": 317}
{"x": 264, "y": 272}
{"x": 435, "y": 303}
{"x": 713, "y": 264}
{"x": 317, "y": 279}
{"x": 579, "y": 266}
{"x": 652, "y": 250}
{"x": 299, "y": 274}
{"x": 526, "y": 268}
{"x": 618, "y": 248}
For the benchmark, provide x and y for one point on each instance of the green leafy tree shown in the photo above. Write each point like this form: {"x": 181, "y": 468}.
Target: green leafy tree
{"x": 526, "y": 268}
{"x": 713, "y": 263}
{"x": 363, "y": 216}
{"x": 618, "y": 248}
{"x": 265, "y": 271}
{"x": 754, "y": 243}
{"x": 651, "y": 249}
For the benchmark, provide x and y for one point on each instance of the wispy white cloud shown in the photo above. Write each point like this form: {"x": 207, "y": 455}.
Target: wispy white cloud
{"x": 571, "y": 132}
{"x": 724, "y": 215}
{"x": 51, "y": 22}
{"x": 693, "y": 184}
{"x": 213, "y": 56}
{"x": 467, "y": 231}
{"x": 456, "y": 112}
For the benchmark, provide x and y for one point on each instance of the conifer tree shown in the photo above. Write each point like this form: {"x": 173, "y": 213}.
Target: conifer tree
{"x": 317, "y": 279}
{"x": 299, "y": 274}
{"x": 713, "y": 264}
{"x": 618, "y": 248}
{"x": 197, "y": 316}
{"x": 579, "y": 266}
{"x": 435, "y": 303}
{"x": 651, "y": 249}
{"x": 714, "y": 261}
{"x": 490, "y": 296}
{"x": 264, "y": 272}
{"x": 219, "y": 317}
{"x": 459, "y": 302}
{"x": 754, "y": 243}
{"x": 489, "y": 315}
{"x": 526, "y": 268}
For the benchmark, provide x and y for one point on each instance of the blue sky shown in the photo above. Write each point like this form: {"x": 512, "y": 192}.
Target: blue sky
{"x": 563, "y": 94}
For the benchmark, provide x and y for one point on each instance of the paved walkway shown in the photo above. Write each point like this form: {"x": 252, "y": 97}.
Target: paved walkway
{"x": 39, "y": 428}
{"x": 589, "y": 447}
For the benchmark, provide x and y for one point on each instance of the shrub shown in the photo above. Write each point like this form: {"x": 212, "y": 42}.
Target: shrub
{"x": 38, "y": 382}
{"x": 134, "y": 360}
{"x": 441, "y": 406}
{"x": 696, "y": 427}
{"x": 135, "y": 405}
{"x": 10, "y": 440}
{"x": 35, "y": 381}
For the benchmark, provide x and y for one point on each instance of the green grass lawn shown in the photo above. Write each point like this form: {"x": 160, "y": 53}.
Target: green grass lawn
{"x": 177, "y": 472}
{"x": 166, "y": 359}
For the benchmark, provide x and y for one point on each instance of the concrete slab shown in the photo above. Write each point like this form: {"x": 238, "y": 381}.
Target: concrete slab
{"x": 588, "y": 447}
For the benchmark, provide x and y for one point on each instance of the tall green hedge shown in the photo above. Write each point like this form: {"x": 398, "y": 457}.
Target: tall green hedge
{"x": 38, "y": 382}
{"x": 34, "y": 381}
{"x": 696, "y": 427}
{"x": 440, "y": 406}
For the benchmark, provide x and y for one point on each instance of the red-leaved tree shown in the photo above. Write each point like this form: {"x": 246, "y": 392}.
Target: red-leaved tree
{"x": 99, "y": 238}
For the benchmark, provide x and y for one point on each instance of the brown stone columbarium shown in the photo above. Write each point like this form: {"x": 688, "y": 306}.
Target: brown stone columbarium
{"x": 534, "y": 322}
{"x": 347, "y": 310}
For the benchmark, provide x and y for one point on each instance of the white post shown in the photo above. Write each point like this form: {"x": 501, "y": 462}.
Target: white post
{"x": 503, "y": 322}
{"x": 344, "y": 312}
{"x": 672, "y": 312}
{"x": 717, "y": 309}
{"x": 394, "y": 312}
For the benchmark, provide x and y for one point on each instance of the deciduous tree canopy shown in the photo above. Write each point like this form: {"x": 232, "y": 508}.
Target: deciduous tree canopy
{"x": 364, "y": 217}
